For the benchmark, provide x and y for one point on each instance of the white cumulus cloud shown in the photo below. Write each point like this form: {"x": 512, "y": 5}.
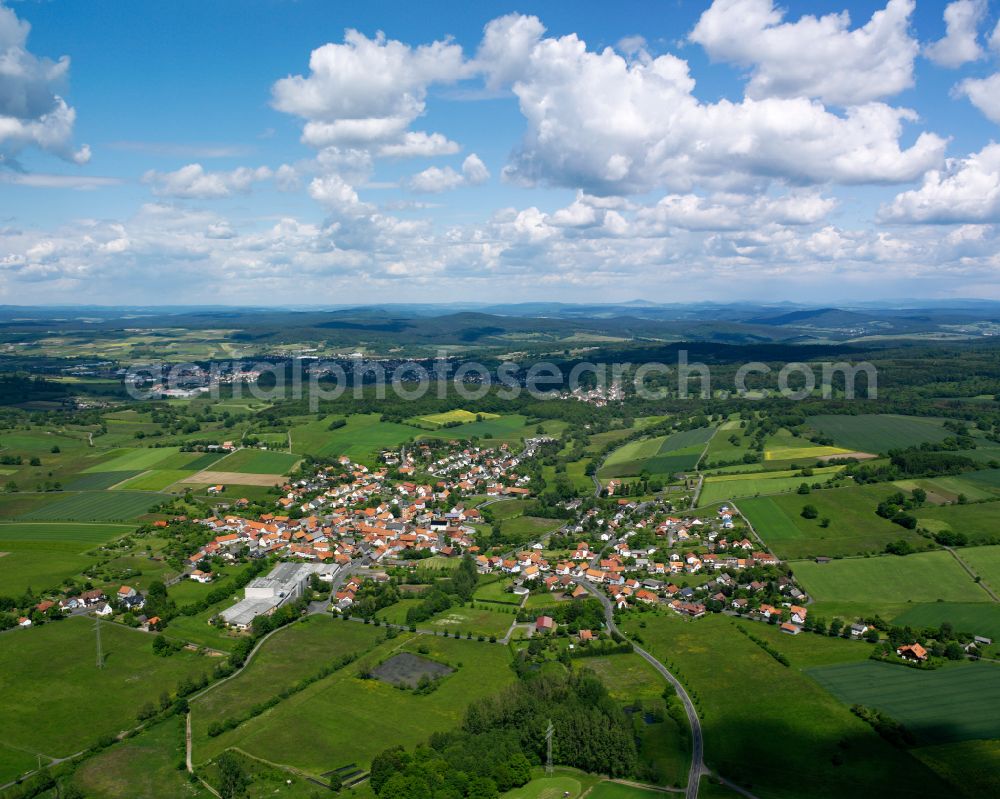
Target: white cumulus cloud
{"x": 966, "y": 191}
{"x": 984, "y": 94}
{"x": 435, "y": 180}
{"x": 820, "y": 57}
{"x": 194, "y": 182}
{"x": 598, "y": 122}
{"x": 32, "y": 111}
{"x": 959, "y": 44}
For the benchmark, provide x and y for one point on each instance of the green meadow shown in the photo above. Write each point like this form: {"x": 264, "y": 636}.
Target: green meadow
{"x": 923, "y": 577}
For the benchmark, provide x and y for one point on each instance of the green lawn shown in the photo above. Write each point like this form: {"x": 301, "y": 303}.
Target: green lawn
{"x": 924, "y": 577}
{"x": 96, "y": 506}
{"x": 387, "y": 715}
{"x": 878, "y": 432}
{"x": 753, "y": 707}
{"x": 57, "y": 701}
{"x": 948, "y": 704}
{"x": 854, "y": 526}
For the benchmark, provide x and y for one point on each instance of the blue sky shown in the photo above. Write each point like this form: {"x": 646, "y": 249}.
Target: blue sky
{"x": 247, "y": 152}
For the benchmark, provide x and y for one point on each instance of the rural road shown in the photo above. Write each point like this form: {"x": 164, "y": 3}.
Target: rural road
{"x": 697, "y": 741}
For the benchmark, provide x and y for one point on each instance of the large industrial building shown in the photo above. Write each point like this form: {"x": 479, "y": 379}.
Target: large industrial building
{"x": 285, "y": 583}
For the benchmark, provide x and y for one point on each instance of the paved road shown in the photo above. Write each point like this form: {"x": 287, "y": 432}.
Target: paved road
{"x": 697, "y": 741}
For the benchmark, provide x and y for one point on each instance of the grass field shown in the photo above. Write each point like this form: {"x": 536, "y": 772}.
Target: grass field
{"x": 82, "y": 535}
{"x": 361, "y": 439}
{"x": 98, "y": 481}
{"x": 977, "y": 618}
{"x": 96, "y": 506}
{"x": 155, "y": 480}
{"x": 616, "y": 790}
{"x": 721, "y": 487}
{"x": 478, "y": 621}
{"x": 985, "y": 561}
{"x": 753, "y": 707}
{"x": 628, "y": 677}
{"x": 494, "y": 592}
{"x": 257, "y": 461}
{"x": 59, "y": 703}
{"x": 806, "y": 452}
{"x": 878, "y": 432}
{"x": 980, "y": 522}
{"x": 144, "y": 767}
{"x": 660, "y": 455}
{"x": 924, "y": 577}
{"x": 343, "y": 701}
{"x": 289, "y": 655}
{"x": 127, "y": 460}
{"x": 450, "y": 417}
{"x": 972, "y": 766}
{"x": 854, "y": 526}
{"x": 949, "y": 704}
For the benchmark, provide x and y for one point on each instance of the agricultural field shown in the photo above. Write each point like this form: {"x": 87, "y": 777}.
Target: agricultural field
{"x": 854, "y": 527}
{"x": 722, "y": 487}
{"x": 923, "y": 577}
{"x": 980, "y": 522}
{"x": 57, "y": 705}
{"x": 457, "y": 416}
{"x": 257, "y": 461}
{"x": 155, "y": 480}
{"x": 879, "y": 432}
{"x": 361, "y": 439}
{"x": 127, "y": 460}
{"x": 784, "y": 447}
{"x": 977, "y": 618}
{"x": 972, "y": 766}
{"x": 956, "y": 703}
{"x": 985, "y": 561}
{"x": 660, "y": 455}
{"x": 345, "y": 701}
{"x": 40, "y": 555}
{"x": 98, "y": 481}
{"x": 779, "y": 709}
{"x": 100, "y": 506}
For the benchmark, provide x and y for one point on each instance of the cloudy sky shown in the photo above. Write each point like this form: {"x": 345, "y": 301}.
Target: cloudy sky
{"x": 271, "y": 151}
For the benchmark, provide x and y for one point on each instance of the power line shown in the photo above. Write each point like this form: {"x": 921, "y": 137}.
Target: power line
{"x": 100, "y": 654}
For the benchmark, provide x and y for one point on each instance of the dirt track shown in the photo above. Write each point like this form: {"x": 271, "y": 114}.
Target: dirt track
{"x": 236, "y": 478}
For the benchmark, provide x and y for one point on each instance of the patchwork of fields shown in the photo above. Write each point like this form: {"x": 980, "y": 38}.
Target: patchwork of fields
{"x": 663, "y": 455}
